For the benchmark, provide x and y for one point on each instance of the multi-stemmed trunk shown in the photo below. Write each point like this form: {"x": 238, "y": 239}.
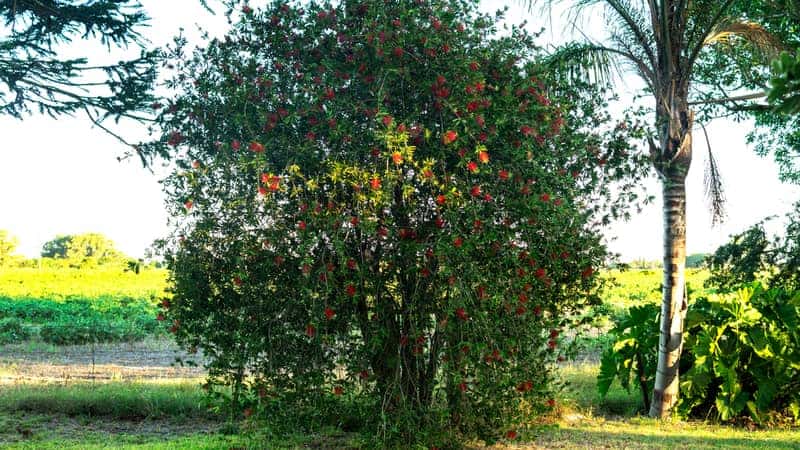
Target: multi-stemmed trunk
{"x": 672, "y": 164}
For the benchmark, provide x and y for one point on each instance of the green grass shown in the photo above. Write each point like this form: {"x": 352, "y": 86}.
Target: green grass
{"x": 117, "y": 400}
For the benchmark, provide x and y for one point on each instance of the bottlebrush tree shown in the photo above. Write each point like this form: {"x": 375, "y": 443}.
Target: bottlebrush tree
{"x": 387, "y": 200}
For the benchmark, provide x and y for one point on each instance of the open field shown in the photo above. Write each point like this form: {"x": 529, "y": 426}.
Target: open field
{"x": 130, "y": 395}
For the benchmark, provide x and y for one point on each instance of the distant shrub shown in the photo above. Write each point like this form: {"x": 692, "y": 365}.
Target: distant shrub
{"x": 90, "y": 330}
{"x": 13, "y": 330}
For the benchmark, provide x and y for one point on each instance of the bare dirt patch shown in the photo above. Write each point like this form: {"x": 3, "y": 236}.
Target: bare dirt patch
{"x": 149, "y": 359}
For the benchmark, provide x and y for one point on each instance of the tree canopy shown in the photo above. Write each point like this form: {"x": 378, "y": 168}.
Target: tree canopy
{"x": 35, "y": 78}
{"x": 82, "y": 249}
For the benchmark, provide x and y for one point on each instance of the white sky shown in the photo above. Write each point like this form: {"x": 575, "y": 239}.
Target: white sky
{"x": 62, "y": 176}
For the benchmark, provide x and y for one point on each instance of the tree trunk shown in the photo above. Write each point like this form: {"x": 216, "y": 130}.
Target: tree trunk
{"x": 673, "y": 306}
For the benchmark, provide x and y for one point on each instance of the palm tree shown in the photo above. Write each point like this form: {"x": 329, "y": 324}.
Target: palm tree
{"x": 663, "y": 41}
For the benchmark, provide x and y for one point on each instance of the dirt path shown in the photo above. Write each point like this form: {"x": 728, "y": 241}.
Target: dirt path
{"x": 149, "y": 359}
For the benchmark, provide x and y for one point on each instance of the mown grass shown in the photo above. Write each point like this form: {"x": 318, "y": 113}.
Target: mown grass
{"x": 174, "y": 415}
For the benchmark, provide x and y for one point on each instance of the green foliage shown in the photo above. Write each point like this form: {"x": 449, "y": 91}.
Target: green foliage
{"x": 633, "y": 352}
{"x": 13, "y": 330}
{"x": 752, "y": 256}
{"x": 34, "y": 76}
{"x": 389, "y": 202}
{"x": 744, "y": 352}
{"x": 696, "y": 260}
{"x": 742, "y": 260}
{"x": 83, "y": 250}
{"x": 784, "y": 91}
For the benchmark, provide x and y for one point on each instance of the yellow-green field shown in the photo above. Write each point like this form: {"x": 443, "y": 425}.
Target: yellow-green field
{"x": 61, "y": 283}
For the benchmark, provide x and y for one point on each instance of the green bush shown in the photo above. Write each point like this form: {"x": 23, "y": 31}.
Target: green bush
{"x": 387, "y": 200}
{"x": 631, "y": 354}
{"x": 13, "y": 330}
{"x": 743, "y": 350}
{"x": 741, "y": 354}
{"x": 87, "y": 330}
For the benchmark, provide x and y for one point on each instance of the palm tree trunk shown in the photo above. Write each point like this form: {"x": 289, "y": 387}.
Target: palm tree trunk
{"x": 673, "y": 306}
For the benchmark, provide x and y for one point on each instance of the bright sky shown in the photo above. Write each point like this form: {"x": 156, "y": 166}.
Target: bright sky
{"x": 61, "y": 176}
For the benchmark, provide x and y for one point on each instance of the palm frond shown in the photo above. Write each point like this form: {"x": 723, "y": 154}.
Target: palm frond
{"x": 584, "y": 62}
{"x": 712, "y": 181}
{"x": 728, "y": 31}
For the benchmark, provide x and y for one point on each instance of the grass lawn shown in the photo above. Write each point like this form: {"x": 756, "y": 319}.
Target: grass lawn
{"x": 174, "y": 415}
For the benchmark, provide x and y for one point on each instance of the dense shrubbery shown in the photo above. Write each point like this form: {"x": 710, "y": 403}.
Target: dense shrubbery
{"x": 742, "y": 346}
{"x": 80, "y": 321}
{"x": 382, "y": 200}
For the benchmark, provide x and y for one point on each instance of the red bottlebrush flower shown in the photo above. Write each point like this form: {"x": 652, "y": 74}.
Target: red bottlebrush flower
{"x": 383, "y": 232}
{"x": 557, "y": 202}
{"x": 329, "y": 313}
{"x": 329, "y": 94}
{"x": 462, "y": 387}
{"x": 237, "y": 281}
{"x": 279, "y": 260}
{"x": 553, "y": 334}
{"x": 247, "y": 412}
{"x": 311, "y": 330}
{"x": 481, "y": 293}
{"x": 354, "y": 221}
{"x": 256, "y": 147}
{"x": 403, "y": 340}
{"x": 545, "y": 197}
{"x": 472, "y": 166}
{"x": 511, "y": 434}
{"x": 525, "y": 386}
{"x": 521, "y": 310}
{"x": 188, "y": 204}
{"x": 398, "y": 52}
{"x": 196, "y": 164}
{"x": 338, "y": 390}
{"x": 425, "y": 272}
{"x": 551, "y": 344}
{"x": 236, "y": 145}
{"x": 350, "y": 290}
{"x": 483, "y": 157}
{"x": 301, "y": 225}
{"x": 397, "y": 158}
{"x": 375, "y": 152}
{"x": 461, "y": 314}
{"x": 540, "y": 273}
{"x": 526, "y": 130}
{"x": 480, "y": 121}
{"x": 473, "y": 66}
{"x": 311, "y": 136}
{"x": 364, "y": 374}
{"x": 160, "y": 317}
{"x": 475, "y": 191}
{"x": 445, "y": 48}
{"x": 165, "y": 304}
{"x": 387, "y": 120}
{"x": 472, "y": 106}
{"x": 351, "y": 264}
{"x": 436, "y": 24}
{"x": 427, "y": 173}
{"x": 306, "y": 270}
{"x": 523, "y": 298}
{"x": 477, "y": 224}
{"x": 537, "y": 310}
{"x": 439, "y": 222}
{"x": 375, "y": 183}
{"x": 449, "y": 137}
{"x": 587, "y": 272}
{"x": 262, "y": 191}
{"x": 429, "y": 253}
{"x": 551, "y": 403}
{"x": 503, "y": 174}
{"x": 458, "y": 242}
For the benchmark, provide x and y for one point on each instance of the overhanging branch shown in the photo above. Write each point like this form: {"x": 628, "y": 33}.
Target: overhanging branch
{"x": 738, "y": 98}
